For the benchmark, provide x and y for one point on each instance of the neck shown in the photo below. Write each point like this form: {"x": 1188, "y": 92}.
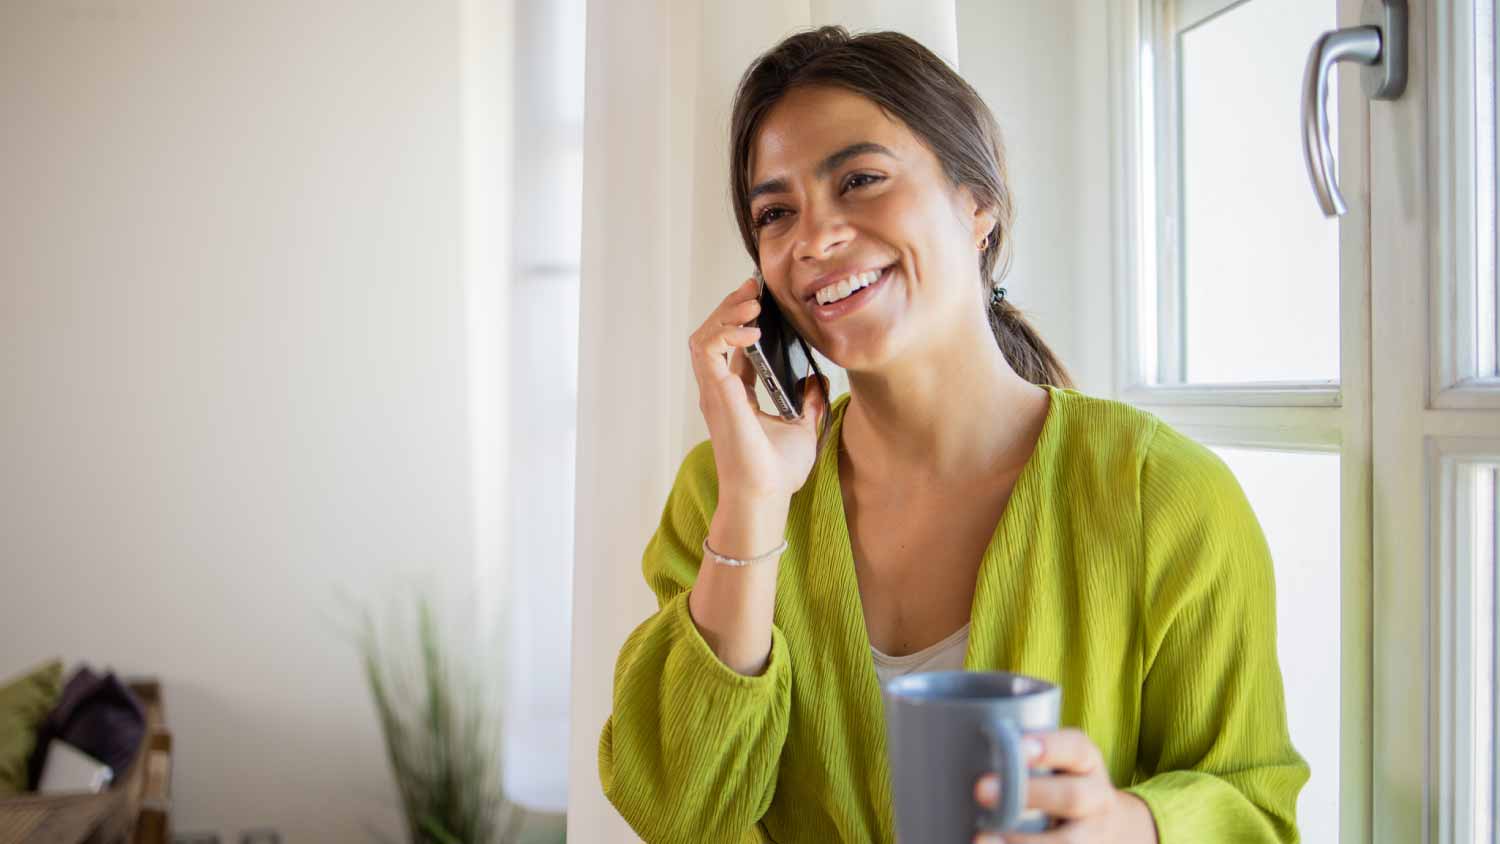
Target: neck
{"x": 954, "y": 411}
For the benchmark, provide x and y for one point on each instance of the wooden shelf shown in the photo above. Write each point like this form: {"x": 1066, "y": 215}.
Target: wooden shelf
{"x": 136, "y": 809}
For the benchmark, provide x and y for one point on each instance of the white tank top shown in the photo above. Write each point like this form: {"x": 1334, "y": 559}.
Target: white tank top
{"x": 947, "y": 655}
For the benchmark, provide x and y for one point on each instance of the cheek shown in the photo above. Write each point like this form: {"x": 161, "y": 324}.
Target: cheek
{"x": 908, "y": 210}
{"x": 923, "y": 229}
{"x": 924, "y": 219}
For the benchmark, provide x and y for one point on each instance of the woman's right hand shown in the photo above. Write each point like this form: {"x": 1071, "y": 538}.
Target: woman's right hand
{"x": 759, "y": 455}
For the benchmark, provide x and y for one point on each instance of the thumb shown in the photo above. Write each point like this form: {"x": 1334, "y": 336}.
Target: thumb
{"x": 814, "y": 400}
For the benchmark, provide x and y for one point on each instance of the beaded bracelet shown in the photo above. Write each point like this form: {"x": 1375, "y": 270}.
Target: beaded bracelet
{"x": 731, "y": 561}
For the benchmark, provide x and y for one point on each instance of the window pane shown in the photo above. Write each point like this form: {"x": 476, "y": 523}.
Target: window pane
{"x": 1296, "y": 498}
{"x": 1487, "y": 44}
{"x": 1146, "y": 210}
{"x": 1486, "y": 520}
{"x": 1259, "y": 262}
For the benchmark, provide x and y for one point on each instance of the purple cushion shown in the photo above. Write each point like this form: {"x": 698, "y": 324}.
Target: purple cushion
{"x": 98, "y": 715}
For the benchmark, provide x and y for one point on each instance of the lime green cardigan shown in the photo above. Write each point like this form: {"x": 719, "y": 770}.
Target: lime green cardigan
{"x": 1127, "y": 567}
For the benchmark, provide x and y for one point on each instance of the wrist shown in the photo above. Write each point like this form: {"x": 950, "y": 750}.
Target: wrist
{"x": 745, "y": 527}
{"x": 1139, "y": 824}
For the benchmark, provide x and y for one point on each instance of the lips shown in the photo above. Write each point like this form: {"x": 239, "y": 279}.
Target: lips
{"x": 830, "y": 283}
{"x": 852, "y": 302}
{"x": 841, "y": 290}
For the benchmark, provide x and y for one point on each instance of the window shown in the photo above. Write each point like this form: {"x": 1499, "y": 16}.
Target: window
{"x": 1302, "y": 531}
{"x": 1396, "y": 437}
{"x": 1486, "y": 361}
{"x": 1242, "y": 282}
{"x": 1235, "y": 287}
{"x": 1467, "y": 515}
{"x": 1484, "y": 523}
{"x": 1466, "y": 319}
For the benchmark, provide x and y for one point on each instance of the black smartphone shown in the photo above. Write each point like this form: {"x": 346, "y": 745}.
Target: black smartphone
{"x": 781, "y": 357}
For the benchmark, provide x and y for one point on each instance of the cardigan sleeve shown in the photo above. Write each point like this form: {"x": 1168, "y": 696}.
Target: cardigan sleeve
{"x": 691, "y": 749}
{"x": 1215, "y": 760}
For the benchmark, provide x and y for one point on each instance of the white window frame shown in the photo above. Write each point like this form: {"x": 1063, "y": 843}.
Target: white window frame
{"x": 1282, "y": 416}
{"x": 1410, "y": 275}
{"x": 1461, "y": 598}
{"x": 1463, "y": 203}
{"x": 1462, "y": 250}
{"x": 1151, "y": 260}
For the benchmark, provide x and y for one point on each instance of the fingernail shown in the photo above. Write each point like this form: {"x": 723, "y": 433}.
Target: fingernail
{"x": 989, "y": 790}
{"x": 1030, "y": 748}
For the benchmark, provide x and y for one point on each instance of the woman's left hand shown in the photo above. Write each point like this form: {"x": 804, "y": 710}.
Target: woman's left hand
{"x": 1078, "y": 792}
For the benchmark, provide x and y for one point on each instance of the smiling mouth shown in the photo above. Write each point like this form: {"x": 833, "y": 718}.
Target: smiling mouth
{"x": 840, "y": 302}
{"x": 845, "y": 288}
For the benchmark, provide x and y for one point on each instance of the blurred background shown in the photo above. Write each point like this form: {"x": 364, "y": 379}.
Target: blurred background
{"x": 313, "y": 312}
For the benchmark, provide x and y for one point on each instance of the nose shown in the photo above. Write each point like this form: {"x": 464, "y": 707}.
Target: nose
{"x": 820, "y": 233}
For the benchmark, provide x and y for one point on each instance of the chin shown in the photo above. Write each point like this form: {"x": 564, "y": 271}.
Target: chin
{"x": 864, "y": 351}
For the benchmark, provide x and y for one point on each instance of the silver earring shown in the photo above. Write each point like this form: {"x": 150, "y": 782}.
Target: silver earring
{"x": 997, "y": 295}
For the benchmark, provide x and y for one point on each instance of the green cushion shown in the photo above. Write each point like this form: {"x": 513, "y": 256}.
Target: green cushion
{"x": 24, "y": 703}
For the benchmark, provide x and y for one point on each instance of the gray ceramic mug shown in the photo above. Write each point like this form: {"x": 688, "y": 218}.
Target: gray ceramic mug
{"x": 943, "y": 731}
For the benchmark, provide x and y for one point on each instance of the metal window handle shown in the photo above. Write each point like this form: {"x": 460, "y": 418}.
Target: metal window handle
{"x": 1379, "y": 45}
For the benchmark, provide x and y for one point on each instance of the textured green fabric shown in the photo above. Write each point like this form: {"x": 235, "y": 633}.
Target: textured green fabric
{"x": 1127, "y": 567}
{"x": 24, "y": 703}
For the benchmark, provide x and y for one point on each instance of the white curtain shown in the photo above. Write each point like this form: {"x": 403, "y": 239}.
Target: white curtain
{"x": 660, "y": 248}
{"x": 542, "y": 356}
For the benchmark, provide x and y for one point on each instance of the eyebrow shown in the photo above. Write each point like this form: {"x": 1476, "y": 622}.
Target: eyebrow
{"x": 824, "y": 168}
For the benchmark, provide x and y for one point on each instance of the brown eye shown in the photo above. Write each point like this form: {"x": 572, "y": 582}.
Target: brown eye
{"x": 852, "y": 182}
{"x": 769, "y": 216}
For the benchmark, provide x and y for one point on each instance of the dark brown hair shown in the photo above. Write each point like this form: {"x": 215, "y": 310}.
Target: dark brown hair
{"x": 913, "y": 85}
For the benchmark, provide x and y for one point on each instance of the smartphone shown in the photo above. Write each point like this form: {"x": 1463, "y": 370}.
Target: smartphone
{"x": 781, "y": 357}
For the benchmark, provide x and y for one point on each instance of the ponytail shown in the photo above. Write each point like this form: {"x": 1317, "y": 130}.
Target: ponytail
{"x": 1023, "y": 348}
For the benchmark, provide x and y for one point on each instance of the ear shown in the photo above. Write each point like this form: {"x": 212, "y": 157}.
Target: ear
{"x": 981, "y": 218}
{"x": 984, "y": 223}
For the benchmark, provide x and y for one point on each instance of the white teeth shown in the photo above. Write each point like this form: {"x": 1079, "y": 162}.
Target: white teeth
{"x": 834, "y": 292}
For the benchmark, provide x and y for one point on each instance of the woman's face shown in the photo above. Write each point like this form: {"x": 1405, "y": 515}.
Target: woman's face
{"x": 841, "y": 192}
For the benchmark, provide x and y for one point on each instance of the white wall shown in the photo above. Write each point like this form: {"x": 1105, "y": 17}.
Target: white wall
{"x": 233, "y": 372}
{"x": 1041, "y": 68}
{"x": 1092, "y": 351}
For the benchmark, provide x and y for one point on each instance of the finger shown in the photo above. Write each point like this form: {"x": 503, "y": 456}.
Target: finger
{"x": 1061, "y": 835}
{"x": 749, "y": 290}
{"x": 1072, "y": 832}
{"x": 987, "y": 791}
{"x": 1069, "y": 751}
{"x": 815, "y": 399}
{"x": 709, "y": 345}
{"x": 1067, "y": 834}
{"x": 1063, "y": 796}
{"x": 739, "y": 364}
{"x": 719, "y": 340}
{"x": 736, "y": 313}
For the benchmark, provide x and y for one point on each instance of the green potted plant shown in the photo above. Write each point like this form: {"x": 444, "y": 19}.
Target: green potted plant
{"x": 442, "y": 738}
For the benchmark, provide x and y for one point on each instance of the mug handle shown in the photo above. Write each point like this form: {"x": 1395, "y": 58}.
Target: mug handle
{"x": 1004, "y": 742}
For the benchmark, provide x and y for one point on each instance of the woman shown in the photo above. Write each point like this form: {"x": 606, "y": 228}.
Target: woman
{"x": 964, "y": 507}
